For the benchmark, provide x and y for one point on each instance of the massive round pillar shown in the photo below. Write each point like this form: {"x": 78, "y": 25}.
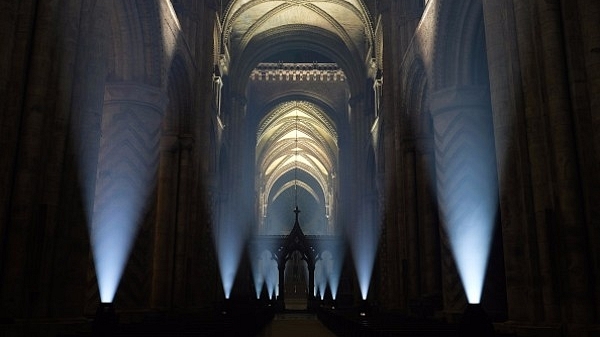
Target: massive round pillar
{"x": 126, "y": 176}
{"x": 466, "y": 186}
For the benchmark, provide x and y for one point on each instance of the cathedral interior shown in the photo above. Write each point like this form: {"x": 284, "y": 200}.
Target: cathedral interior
{"x": 383, "y": 165}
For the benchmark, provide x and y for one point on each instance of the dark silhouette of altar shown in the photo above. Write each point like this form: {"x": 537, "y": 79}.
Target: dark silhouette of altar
{"x": 297, "y": 256}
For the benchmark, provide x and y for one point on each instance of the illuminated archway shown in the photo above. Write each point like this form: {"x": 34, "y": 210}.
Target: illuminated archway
{"x": 298, "y": 113}
{"x": 296, "y": 149}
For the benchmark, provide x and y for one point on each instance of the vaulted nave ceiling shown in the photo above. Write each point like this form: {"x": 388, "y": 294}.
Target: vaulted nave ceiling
{"x": 296, "y": 135}
{"x": 346, "y": 20}
{"x": 297, "y": 62}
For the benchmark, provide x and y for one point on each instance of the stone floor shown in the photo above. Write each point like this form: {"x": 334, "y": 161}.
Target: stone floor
{"x": 295, "y": 325}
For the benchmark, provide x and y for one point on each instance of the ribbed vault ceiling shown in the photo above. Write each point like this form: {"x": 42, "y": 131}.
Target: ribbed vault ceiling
{"x": 346, "y": 19}
{"x": 296, "y": 135}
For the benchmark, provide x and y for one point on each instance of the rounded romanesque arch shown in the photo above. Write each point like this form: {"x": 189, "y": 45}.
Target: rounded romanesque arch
{"x": 458, "y": 100}
{"x": 303, "y": 37}
{"x": 297, "y": 149}
{"x": 460, "y": 57}
{"x": 136, "y": 52}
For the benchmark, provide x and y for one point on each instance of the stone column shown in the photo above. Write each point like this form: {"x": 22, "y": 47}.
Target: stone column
{"x": 42, "y": 50}
{"x": 354, "y": 155}
{"x": 281, "y": 266}
{"x": 465, "y": 164}
{"x": 127, "y": 167}
{"x": 522, "y": 162}
{"x": 183, "y": 222}
{"x": 87, "y": 107}
{"x": 166, "y": 206}
{"x": 588, "y": 12}
{"x": 427, "y": 220}
{"x": 544, "y": 231}
{"x": 565, "y": 166}
{"x": 412, "y": 224}
{"x": 236, "y": 172}
{"x": 311, "y": 284}
{"x": 508, "y": 105}
{"x": 388, "y": 256}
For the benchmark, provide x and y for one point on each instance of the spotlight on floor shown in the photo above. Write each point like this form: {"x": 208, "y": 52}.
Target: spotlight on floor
{"x": 363, "y": 309}
{"x": 226, "y": 306}
{"x": 468, "y": 199}
{"x": 363, "y": 244}
{"x": 475, "y": 323}
{"x": 229, "y": 243}
{"x": 105, "y": 321}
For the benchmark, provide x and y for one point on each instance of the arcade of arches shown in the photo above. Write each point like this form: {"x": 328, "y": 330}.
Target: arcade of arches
{"x": 356, "y": 112}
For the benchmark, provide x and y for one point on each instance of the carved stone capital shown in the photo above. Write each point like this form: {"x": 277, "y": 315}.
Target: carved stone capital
{"x": 135, "y": 93}
{"x": 459, "y": 97}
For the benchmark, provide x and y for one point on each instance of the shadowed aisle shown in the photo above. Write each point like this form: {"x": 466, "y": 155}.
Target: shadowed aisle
{"x": 295, "y": 324}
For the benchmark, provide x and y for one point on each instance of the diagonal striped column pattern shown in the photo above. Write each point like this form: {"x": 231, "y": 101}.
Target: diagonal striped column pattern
{"x": 126, "y": 176}
{"x": 466, "y": 179}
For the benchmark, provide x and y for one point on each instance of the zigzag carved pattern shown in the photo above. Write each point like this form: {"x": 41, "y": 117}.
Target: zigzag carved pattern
{"x": 128, "y": 159}
{"x": 127, "y": 169}
{"x": 465, "y": 172}
{"x": 465, "y": 162}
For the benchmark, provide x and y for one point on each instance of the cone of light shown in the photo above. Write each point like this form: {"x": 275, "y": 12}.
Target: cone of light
{"x": 228, "y": 263}
{"x": 270, "y": 273}
{"x": 264, "y": 272}
{"x": 257, "y": 275}
{"x": 122, "y": 191}
{"x": 364, "y": 270}
{"x": 332, "y": 265}
{"x": 258, "y": 284}
{"x": 320, "y": 277}
{"x": 112, "y": 236}
{"x": 229, "y": 244}
{"x": 333, "y": 282}
{"x": 364, "y": 248}
{"x": 468, "y": 203}
{"x": 470, "y": 239}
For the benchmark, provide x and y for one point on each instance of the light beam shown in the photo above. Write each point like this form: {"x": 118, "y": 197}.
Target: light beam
{"x": 363, "y": 242}
{"x": 468, "y": 198}
{"x": 125, "y": 178}
{"x": 332, "y": 263}
{"x": 229, "y": 241}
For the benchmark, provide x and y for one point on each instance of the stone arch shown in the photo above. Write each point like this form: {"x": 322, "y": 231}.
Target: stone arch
{"x": 277, "y": 164}
{"x": 460, "y": 43}
{"x": 354, "y": 8}
{"x": 136, "y": 52}
{"x": 322, "y": 101}
{"x": 460, "y": 109}
{"x": 415, "y": 94}
{"x": 378, "y": 43}
{"x": 288, "y": 37}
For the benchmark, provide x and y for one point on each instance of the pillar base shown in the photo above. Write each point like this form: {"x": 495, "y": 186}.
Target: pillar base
{"x": 475, "y": 323}
{"x": 105, "y": 321}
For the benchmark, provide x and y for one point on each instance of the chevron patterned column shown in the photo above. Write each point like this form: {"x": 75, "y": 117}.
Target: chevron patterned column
{"x": 126, "y": 176}
{"x": 466, "y": 186}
